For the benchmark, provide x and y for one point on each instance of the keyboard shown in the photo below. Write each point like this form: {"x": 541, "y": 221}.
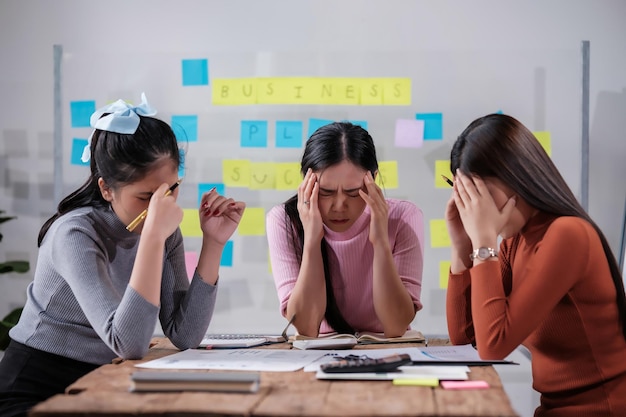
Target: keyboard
{"x": 214, "y": 341}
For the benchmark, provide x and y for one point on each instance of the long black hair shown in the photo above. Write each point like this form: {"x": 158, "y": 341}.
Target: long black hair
{"x": 330, "y": 145}
{"x": 119, "y": 159}
{"x": 500, "y": 146}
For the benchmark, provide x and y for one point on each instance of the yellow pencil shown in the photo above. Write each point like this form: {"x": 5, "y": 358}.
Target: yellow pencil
{"x": 144, "y": 213}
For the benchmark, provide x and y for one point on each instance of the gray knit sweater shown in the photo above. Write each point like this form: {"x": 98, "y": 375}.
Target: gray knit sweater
{"x": 80, "y": 305}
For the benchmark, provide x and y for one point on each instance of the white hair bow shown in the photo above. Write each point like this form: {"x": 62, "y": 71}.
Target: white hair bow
{"x": 122, "y": 118}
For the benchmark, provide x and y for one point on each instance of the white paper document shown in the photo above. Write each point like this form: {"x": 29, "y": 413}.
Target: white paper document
{"x": 272, "y": 360}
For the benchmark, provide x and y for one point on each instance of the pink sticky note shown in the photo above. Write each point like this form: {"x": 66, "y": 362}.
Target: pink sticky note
{"x": 464, "y": 384}
{"x": 409, "y": 133}
{"x": 191, "y": 260}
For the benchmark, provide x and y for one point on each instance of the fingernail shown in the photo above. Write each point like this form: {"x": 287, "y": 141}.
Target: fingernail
{"x": 205, "y": 205}
{"x": 231, "y": 205}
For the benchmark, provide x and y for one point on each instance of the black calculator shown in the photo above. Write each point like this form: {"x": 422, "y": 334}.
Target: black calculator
{"x": 364, "y": 364}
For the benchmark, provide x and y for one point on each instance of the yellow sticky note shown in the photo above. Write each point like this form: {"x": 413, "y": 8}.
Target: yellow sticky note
{"x": 444, "y": 274}
{"x": 387, "y": 174}
{"x": 420, "y": 382}
{"x": 545, "y": 140}
{"x": 371, "y": 91}
{"x": 439, "y": 237}
{"x": 252, "y": 222}
{"x": 397, "y": 91}
{"x": 234, "y": 91}
{"x": 262, "y": 175}
{"x": 288, "y": 175}
{"x": 236, "y": 172}
{"x": 190, "y": 226}
{"x": 347, "y": 90}
{"x": 442, "y": 168}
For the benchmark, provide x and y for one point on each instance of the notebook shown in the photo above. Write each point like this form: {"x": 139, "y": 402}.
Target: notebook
{"x": 238, "y": 341}
{"x": 234, "y": 341}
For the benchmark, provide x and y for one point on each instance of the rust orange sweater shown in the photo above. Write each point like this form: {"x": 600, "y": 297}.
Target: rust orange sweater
{"x": 552, "y": 292}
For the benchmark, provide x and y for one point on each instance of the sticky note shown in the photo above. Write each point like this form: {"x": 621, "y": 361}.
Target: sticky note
{"x": 253, "y": 134}
{"x": 195, "y": 72}
{"x": 464, "y": 384}
{"x": 206, "y": 187}
{"x": 185, "y": 127}
{"x": 433, "y": 125}
{"x": 289, "y": 134}
{"x": 190, "y": 226}
{"x": 81, "y": 112}
{"x": 387, "y": 174}
{"x": 252, "y": 222}
{"x": 439, "y": 237}
{"x": 262, "y": 175}
{"x": 372, "y": 91}
{"x": 420, "y": 382}
{"x": 236, "y": 172}
{"x": 227, "y": 254}
{"x": 442, "y": 167}
{"x": 444, "y": 274}
{"x": 397, "y": 91}
{"x": 545, "y": 140}
{"x": 191, "y": 261}
{"x": 361, "y": 123}
{"x": 238, "y": 91}
{"x": 409, "y": 133}
{"x": 315, "y": 124}
{"x": 78, "y": 145}
{"x": 288, "y": 175}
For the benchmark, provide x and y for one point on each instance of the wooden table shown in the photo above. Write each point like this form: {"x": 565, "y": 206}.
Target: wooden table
{"x": 105, "y": 392}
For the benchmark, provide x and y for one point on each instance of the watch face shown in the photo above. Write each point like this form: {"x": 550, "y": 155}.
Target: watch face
{"x": 483, "y": 253}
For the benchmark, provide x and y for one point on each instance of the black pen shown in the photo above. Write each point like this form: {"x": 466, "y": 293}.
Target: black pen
{"x": 144, "y": 213}
{"x": 448, "y": 180}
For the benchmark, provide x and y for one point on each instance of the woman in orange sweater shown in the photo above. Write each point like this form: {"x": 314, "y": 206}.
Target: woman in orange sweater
{"x": 553, "y": 286}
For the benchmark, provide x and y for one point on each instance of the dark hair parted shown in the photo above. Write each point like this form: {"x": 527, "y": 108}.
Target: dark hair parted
{"x": 120, "y": 159}
{"x": 500, "y": 146}
{"x": 330, "y": 145}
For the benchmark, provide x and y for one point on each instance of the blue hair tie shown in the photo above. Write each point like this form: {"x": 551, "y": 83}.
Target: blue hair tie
{"x": 122, "y": 118}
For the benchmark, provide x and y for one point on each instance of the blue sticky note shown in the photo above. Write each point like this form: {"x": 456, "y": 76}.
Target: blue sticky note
{"x": 227, "y": 254}
{"x": 288, "y": 134}
{"x": 181, "y": 167}
{"x": 433, "y": 125}
{"x": 206, "y": 186}
{"x": 253, "y": 134}
{"x": 195, "y": 72}
{"x": 361, "y": 123}
{"x": 81, "y": 112}
{"x": 499, "y": 112}
{"x": 185, "y": 128}
{"x": 315, "y": 124}
{"x": 77, "y": 151}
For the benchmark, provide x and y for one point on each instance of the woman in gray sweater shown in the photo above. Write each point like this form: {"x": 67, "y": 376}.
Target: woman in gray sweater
{"x": 99, "y": 287}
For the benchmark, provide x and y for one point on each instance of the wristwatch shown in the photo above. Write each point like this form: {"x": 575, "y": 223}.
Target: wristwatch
{"x": 483, "y": 253}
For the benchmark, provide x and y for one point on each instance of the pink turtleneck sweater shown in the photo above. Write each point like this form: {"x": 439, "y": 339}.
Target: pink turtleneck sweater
{"x": 351, "y": 260}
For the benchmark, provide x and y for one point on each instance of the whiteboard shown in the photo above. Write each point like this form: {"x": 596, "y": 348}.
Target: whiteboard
{"x": 539, "y": 87}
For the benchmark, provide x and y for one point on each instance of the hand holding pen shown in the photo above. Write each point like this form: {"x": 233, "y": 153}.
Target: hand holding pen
{"x": 142, "y": 216}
